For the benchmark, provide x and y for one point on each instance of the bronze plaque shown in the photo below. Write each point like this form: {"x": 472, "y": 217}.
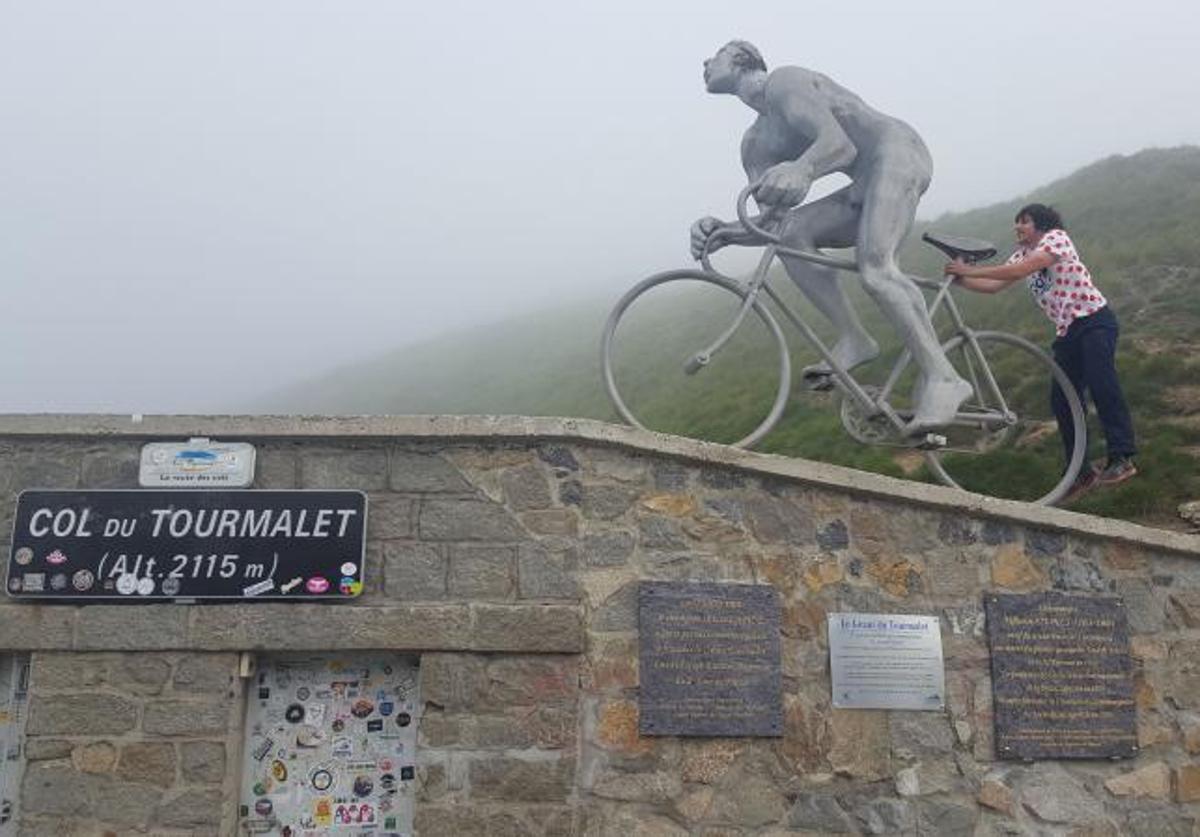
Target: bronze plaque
{"x": 1062, "y": 678}
{"x": 709, "y": 658}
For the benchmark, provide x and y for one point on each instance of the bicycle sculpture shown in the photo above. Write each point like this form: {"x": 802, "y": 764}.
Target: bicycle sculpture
{"x": 978, "y": 415}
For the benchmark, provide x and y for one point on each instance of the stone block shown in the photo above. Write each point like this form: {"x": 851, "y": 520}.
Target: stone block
{"x": 886, "y": 816}
{"x": 1159, "y": 823}
{"x": 558, "y": 456}
{"x": 819, "y": 813}
{"x": 860, "y": 744}
{"x": 1142, "y": 608}
{"x": 708, "y": 761}
{"x": 526, "y": 488}
{"x": 49, "y": 466}
{"x": 1012, "y": 569}
{"x": 753, "y": 801}
{"x": 920, "y": 734}
{"x": 94, "y": 713}
{"x": 482, "y": 572}
{"x": 536, "y": 680}
{"x": 669, "y": 476}
{"x": 833, "y": 536}
{"x": 617, "y": 728}
{"x": 414, "y": 571}
{"x": 205, "y": 673}
{"x": 618, "y": 611}
{"x": 1187, "y": 783}
{"x": 190, "y": 809}
{"x": 661, "y": 533}
{"x": 1152, "y": 781}
{"x": 426, "y": 473}
{"x": 390, "y": 517}
{"x": 466, "y": 520}
{"x": 659, "y": 787}
{"x": 150, "y": 763}
{"x": 775, "y": 520}
{"x": 34, "y": 627}
{"x": 995, "y": 532}
{"x": 345, "y": 468}
{"x": 542, "y": 574}
{"x": 55, "y": 790}
{"x": 607, "y": 502}
{"x": 115, "y": 467}
{"x": 158, "y": 627}
{"x": 47, "y": 749}
{"x": 125, "y": 805}
{"x": 143, "y": 674}
{"x": 464, "y": 821}
{"x": 1056, "y": 796}
{"x": 320, "y": 626}
{"x": 202, "y": 762}
{"x": 276, "y": 466}
{"x": 530, "y": 628}
{"x": 455, "y": 682}
{"x": 94, "y": 757}
{"x": 608, "y": 549}
{"x": 189, "y": 718}
{"x": 552, "y": 522}
{"x": 503, "y": 779}
{"x": 947, "y": 816}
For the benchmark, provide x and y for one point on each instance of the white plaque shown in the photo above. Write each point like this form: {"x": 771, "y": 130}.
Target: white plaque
{"x": 197, "y": 463}
{"x": 886, "y": 661}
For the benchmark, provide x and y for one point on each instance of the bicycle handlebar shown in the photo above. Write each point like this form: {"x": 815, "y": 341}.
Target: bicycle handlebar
{"x": 817, "y": 258}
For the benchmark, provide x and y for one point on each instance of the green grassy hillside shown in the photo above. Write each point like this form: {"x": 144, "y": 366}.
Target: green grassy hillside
{"x": 1135, "y": 219}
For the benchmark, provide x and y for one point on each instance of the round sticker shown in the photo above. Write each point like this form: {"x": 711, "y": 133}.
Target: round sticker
{"x": 349, "y": 569}
{"x": 58, "y": 581}
{"x": 322, "y": 779}
{"x": 170, "y": 586}
{"x": 23, "y": 556}
{"x": 387, "y": 781}
{"x": 338, "y": 725}
{"x": 309, "y": 737}
{"x": 350, "y": 587}
{"x": 56, "y": 557}
{"x": 14, "y": 584}
{"x": 362, "y": 708}
{"x": 279, "y": 770}
{"x": 145, "y": 587}
{"x": 363, "y": 786}
{"x": 263, "y": 807}
{"x": 126, "y": 583}
{"x": 317, "y": 584}
{"x": 83, "y": 580}
{"x": 294, "y": 713}
{"x": 403, "y": 719}
{"x": 302, "y": 693}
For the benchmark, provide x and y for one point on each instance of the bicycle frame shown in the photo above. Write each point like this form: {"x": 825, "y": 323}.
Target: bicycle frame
{"x": 870, "y": 406}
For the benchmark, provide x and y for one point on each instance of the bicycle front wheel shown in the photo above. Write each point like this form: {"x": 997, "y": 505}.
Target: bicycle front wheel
{"x": 658, "y": 375}
{"x": 1023, "y": 456}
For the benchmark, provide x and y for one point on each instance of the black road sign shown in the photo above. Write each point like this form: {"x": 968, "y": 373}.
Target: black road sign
{"x": 193, "y": 544}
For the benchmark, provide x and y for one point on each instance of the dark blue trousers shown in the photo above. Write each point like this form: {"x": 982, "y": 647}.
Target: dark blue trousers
{"x": 1086, "y": 353}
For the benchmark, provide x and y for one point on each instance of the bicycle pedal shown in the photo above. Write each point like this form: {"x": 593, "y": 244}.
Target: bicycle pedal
{"x": 933, "y": 441}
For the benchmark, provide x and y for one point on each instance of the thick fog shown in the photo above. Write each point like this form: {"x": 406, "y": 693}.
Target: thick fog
{"x": 204, "y": 200}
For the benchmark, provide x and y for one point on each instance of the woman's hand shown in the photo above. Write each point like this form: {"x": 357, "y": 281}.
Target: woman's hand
{"x": 957, "y": 268}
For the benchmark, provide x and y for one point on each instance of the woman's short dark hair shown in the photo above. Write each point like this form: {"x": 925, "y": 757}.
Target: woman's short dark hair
{"x": 1044, "y": 217}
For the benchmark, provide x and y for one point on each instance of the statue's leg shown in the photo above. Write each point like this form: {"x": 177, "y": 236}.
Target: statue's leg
{"x": 889, "y": 205}
{"x": 831, "y": 221}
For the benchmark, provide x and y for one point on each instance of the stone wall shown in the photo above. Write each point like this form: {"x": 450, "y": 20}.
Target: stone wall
{"x": 507, "y": 552}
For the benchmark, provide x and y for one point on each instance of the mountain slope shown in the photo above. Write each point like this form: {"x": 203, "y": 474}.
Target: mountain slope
{"x": 1136, "y": 220}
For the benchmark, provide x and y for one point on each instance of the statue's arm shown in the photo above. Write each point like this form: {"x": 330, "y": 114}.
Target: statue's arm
{"x": 828, "y": 149}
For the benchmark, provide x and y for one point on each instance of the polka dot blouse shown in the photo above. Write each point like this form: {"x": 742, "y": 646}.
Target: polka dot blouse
{"x": 1064, "y": 290}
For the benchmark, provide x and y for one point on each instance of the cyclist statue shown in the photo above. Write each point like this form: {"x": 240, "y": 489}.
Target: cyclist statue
{"x": 808, "y": 126}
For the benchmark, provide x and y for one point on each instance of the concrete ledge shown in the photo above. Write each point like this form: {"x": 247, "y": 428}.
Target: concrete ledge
{"x": 453, "y": 429}
{"x": 525, "y": 628}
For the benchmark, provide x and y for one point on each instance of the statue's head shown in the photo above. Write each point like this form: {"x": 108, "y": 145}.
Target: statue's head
{"x": 736, "y": 58}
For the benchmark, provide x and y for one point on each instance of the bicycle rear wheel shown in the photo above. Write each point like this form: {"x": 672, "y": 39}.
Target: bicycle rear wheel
{"x": 649, "y": 349}
{"x": 1022, "y": 458}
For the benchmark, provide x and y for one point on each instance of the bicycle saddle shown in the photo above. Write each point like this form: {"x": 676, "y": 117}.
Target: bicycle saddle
{"x": 959, "y": 247}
